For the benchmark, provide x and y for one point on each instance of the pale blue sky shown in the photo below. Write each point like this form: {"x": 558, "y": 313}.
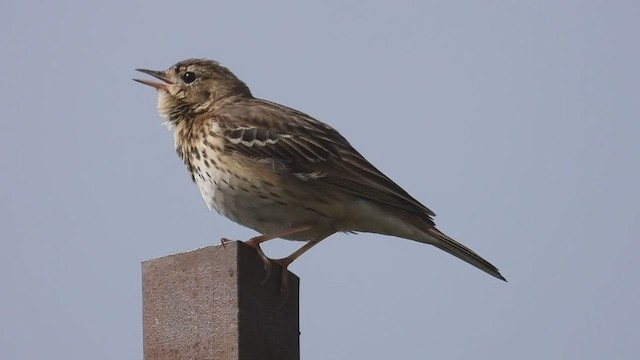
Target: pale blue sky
{"x": 517, "y": 123}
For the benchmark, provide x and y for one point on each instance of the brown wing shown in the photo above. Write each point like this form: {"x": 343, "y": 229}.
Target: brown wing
{"x": 299, "y": 145}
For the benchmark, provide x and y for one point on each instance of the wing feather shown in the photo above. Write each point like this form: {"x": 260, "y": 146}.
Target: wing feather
{"x": 303, "y": 145}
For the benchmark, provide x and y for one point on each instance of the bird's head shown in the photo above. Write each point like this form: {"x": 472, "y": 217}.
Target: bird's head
{"x": 193, "y": 86}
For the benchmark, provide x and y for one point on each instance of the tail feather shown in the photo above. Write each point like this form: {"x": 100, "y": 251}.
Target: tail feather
{"x": 445, "y": 243}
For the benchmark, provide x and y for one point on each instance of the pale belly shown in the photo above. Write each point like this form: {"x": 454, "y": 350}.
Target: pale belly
{"x": 264, "y": 208}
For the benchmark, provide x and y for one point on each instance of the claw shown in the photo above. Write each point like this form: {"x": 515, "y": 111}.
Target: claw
{"x": 284, "y": 279}
{"x": 284, "y": 264}
{"x": 267, "y": 269}
{"x": 224, "y": 241}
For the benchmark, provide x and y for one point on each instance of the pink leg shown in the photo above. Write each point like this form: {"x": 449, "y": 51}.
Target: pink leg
{"x": 285, "y": 262}
{"x": 256, "y": 241}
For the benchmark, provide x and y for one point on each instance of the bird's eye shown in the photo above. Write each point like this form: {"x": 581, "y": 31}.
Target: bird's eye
{"x": 188, "y": 77}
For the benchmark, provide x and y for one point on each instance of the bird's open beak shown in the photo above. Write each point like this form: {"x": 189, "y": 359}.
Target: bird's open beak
{"x": 156, "y": 74}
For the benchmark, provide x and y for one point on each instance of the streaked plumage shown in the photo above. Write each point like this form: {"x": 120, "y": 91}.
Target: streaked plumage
{"x": 279, "y": 171}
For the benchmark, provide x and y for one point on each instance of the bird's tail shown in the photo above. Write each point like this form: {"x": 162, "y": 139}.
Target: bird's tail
{"x": 443, "y": 242}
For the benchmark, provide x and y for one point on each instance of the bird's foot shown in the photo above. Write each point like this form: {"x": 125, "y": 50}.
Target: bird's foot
{"x": 268, "y": 265}
{"x": 284, "y": 275}
{"x": 255, "y": 243}
{"x": 284, "y": 279}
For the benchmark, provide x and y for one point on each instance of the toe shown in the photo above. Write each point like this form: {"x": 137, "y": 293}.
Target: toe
{"x": 224, "y": 241}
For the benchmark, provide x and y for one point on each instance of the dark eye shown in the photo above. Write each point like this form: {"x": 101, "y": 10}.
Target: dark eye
{"x": 188, "y": 77}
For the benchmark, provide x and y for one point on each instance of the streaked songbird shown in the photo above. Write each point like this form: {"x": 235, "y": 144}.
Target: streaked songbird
{"x": 281, "y": 172}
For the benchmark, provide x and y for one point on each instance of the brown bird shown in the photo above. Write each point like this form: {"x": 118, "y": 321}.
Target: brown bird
{"x": 281, "y": 172}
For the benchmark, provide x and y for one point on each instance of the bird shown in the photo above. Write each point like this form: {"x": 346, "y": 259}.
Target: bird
{"x": 280, "y": 171}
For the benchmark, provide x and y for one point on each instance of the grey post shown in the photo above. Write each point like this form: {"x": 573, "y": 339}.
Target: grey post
{"x": 210, "y": 304}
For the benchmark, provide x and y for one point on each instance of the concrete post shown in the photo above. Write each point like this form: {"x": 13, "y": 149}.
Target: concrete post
{"x": 209, "y": 304}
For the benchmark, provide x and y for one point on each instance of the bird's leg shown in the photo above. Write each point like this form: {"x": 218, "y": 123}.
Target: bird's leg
{"x": 256, "y": 241}
{"x": 285, "y": 262}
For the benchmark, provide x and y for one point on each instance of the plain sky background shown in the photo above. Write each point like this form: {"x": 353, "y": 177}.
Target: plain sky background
{"x": 518, "y": 123}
